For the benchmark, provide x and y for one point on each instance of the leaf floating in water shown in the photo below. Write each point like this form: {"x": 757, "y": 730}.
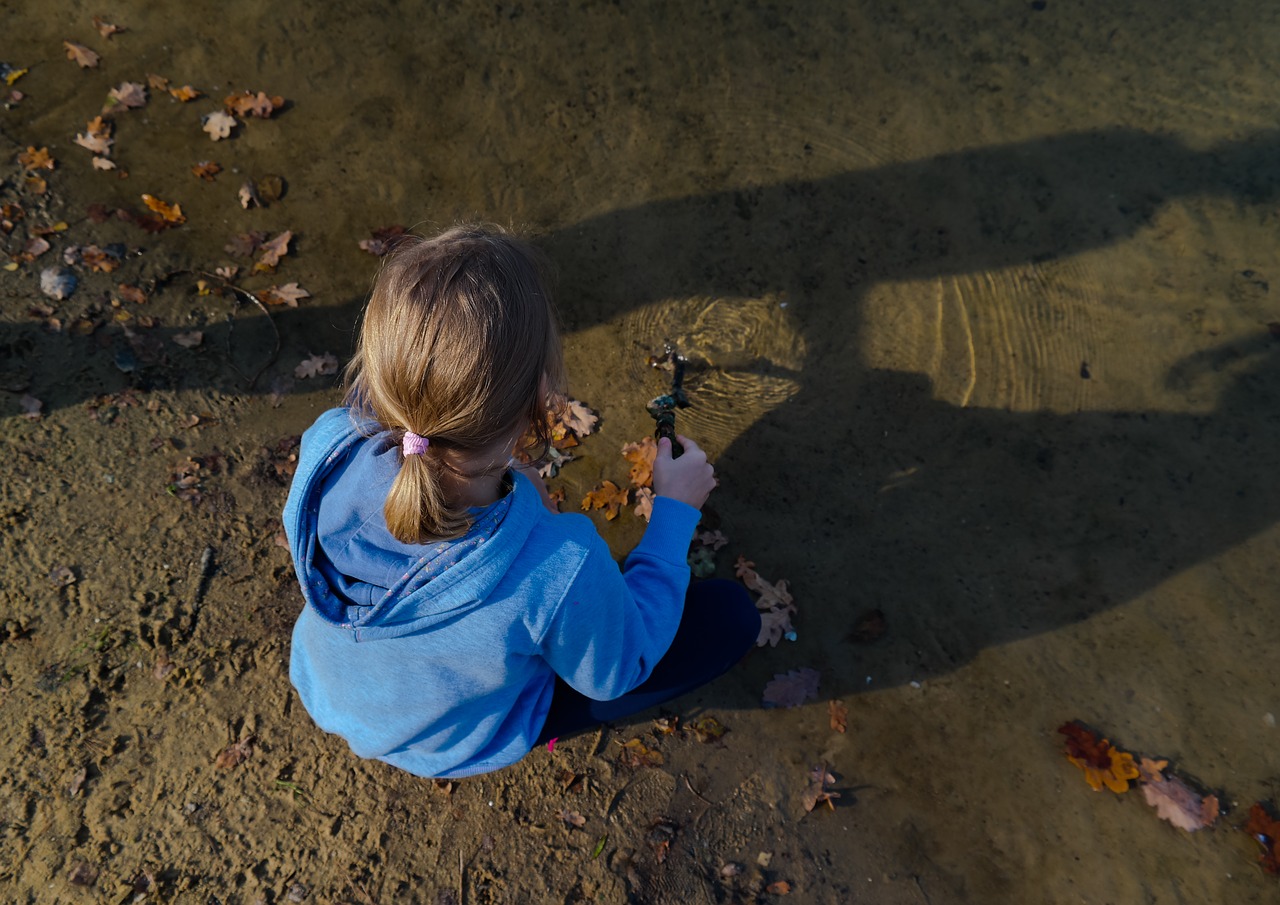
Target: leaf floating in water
{"x": 57, "y": 283}
{"x": 82, "y": 55}
{"x": 317, "y": 366}
{"x": 1266, "y": 830}
{"x": 607, "y": 496}
{"x": 219, "y": 125}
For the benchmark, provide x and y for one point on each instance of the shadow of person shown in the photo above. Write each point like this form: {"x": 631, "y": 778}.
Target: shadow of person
{"x": 967, "y": 527}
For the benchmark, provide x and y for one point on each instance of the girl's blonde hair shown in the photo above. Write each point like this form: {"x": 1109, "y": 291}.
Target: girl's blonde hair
{"x": 458, "y": 343}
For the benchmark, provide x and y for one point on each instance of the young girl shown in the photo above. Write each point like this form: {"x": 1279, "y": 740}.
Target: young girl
{"x": 453, "y": 619}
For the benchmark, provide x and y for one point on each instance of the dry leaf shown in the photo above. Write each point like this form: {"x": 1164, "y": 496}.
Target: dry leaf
{"x": 635, "y": 754}
{"x": 578, "y": 418}
{"x": 77, "y": 781}
{"x": 185, "y": 93}
{"x": 774, "y": 602}
{"x": 1103, "y": 765}
{"x": 30, "y": 406}
{"x": 82, "y": 873}
{"x": 132, "y": 294}
{"x": 247, "y": 103}
{"x": 1266, "y": 830}
{"x": 839, "y": 715}
{"x": 1151, "y": 770}
{"x": 189, "y": 340}
{"x": 218, "y": 125}
{"x": 607, "y": 496}
{"x": 244, "y": 244}
{"x": 792, "y": 689}
{"x": 644, "y": 503}
{"x": 81, "y": 54}
{"x": 1181, "y": 805}
{"x": 170, "y": 213}
{"x": 130, "y": 95}
{"x": 316, "y": 366}
{"x": 289, "y": 294}
{"x": 779, "y": 888}
{"x": 707, "y": 729}
{"x": 273, "y": 251}
{"x": 57, "y": 283}
{"x": 573, "y": 819}
{"x": 383, "y": 240}
{"x": 234, "y": 754}
{"x": 35, "y": 159}
{"x": 105, "y": 28}
{"x": 816, "y": 792}
{"x": 206, "y": 170}
{"x": 97, "y": 136}
{"x": 641, "y": 456}
{"x": 35, "y": 247}
{"x": 102, "y": 163}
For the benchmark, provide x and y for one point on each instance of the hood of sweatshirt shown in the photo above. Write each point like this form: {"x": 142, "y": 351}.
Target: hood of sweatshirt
{"x": 353, "y": 571}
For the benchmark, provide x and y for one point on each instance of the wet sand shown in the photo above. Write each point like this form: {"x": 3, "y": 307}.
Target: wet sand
{"x": 977, "y": 299}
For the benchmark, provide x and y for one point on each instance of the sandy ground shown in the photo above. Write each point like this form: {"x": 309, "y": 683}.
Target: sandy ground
{"x": 977, "y": 296}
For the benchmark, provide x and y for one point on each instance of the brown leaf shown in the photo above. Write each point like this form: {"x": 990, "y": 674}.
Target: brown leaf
{"x": 130, "y": 95}
{"x": 635, "y": 754}
{"x": 1181, "y": 805}
{"x": 641, "y": 456}
{"x": 792, "y": 688}
{"x": 839, "y": 715}
{"x": 245, "y": 244}
{"x": 206, "y": 170}
{"x": 383, "y": 240}
{"x": 103, "y": 163}
{"x": 185, "y": 93}
{"x": 578, "y": 418}
{"x": 713, "y": 539}
{"x": 234, "y": 754}
{"x": 247, "y": 103}
{"x": 82, "y": 873}
{"x": 272, "y": 251}
{"x": 188, "y": 340}
{"x": 644, "y": 503}
{"x": 36, "y": 158}
{"x": 607, "y": 496}
{"x": 316, "y": 366}
{"x": 81, "y": 54}
{"x": 816, "y": 792}
{"x": 248, "y": 196}
{"x": 707, "y": 729}
{"x": 132, "y": 294}
{"x": 105, "y": 28}
{"x": 77, "y": 781}
{"x": 289, "y": 294}
{"x": 779, "y": 888}
{"x": 97, "y": 136}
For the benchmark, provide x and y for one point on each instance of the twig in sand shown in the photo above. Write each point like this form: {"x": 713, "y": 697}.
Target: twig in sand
{"x": 689, "y": 786}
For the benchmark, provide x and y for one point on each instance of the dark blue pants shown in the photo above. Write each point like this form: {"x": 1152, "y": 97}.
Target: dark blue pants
{"x": 719, "y": 626}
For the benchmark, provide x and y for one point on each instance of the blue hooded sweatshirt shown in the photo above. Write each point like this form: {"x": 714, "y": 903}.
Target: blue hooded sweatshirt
{"x": 441, "y": 658}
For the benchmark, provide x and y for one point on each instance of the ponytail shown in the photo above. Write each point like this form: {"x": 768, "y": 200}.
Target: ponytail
{"x": 416, "y": 509}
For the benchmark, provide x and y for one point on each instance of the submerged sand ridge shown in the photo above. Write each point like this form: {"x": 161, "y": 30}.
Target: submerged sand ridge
{"x": 1020, "y": 399}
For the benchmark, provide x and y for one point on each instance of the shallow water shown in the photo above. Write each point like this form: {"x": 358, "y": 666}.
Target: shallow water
{"x": 976, "y": 300}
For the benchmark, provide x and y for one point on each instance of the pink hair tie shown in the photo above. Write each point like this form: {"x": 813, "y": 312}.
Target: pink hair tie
{"x": 414, "y": 444}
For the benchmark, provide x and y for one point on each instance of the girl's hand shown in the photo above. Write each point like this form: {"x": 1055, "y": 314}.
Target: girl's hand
{"x": 689, "y": 479}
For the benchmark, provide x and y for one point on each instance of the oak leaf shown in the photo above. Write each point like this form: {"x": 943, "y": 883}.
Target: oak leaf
{"x": 105, "y": 28}
{"x": 713, "y": 539}
{"x": 635, "y": 754}
{"x": 644, "y": 503}
{"x": 816, "y": 792}
{"x": 1181, "y": 805}
{"x": 1266, "y": 830}
{"x": 206, "y": 170}
{"x": 129, "y": 95}
{"x": 577, "y": 418}
{"x": 607, "y": 496}
{"x": 316, "y": 366}
{"x": 245, "y": 244}
{"x": 81, "y": 54}
{"x": 839, "y": 714}
{"x": 792, "y": 688}
{"x": 1103, "y": 764}
{"x": 36, "y": 158}
{"x": 218, "y": 125}
{"x": 247, "y": 103}
{"x": 289, "y": 294}
{"x": 641, "y": 455}
{"x": 272, "y": 251}
{"x": 97, "y": 136}
{"x": 170, "y": 213}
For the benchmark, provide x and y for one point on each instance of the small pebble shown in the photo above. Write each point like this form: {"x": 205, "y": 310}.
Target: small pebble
{"x": 1270, "y": 720}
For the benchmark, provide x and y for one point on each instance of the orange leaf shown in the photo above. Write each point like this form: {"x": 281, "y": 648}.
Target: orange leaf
{"x": 641, "y": 456}
{"x": 609, "y": 497}
{"x": 170, "y": 213}
{"x": 780, "y": 888}
{"x": 839, "y": 714}
{"x": 34, "y": 159}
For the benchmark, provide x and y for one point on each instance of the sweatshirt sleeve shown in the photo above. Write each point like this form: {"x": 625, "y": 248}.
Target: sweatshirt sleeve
{"x": 613, "y": 627}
